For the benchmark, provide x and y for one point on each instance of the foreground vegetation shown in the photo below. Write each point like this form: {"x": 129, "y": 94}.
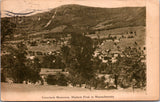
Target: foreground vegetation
{"x": 78, "y": 60}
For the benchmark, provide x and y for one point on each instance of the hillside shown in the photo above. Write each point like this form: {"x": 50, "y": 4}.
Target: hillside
{"x": 69, "y": 18}
{"x": 47, "y": 32}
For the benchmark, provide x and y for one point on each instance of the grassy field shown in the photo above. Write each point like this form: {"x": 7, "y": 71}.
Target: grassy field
{"x": 25, "y": 92}
{"x": 5, "y": 87}
{"x": 140, "y": 38}
{"x": 45, "y": 48}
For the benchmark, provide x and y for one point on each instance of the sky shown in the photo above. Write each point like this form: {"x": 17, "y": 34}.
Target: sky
{"x": 37, "y": 6}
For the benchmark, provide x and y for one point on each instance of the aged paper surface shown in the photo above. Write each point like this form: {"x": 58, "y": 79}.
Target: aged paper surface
{"x": 79, "y": 50}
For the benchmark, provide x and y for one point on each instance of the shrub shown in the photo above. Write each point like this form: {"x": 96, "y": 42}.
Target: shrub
{"x": 3, "y": 79}
{"x": 51, "y": 80}
{"x": 61, "y": 79}
{"x": 58, "y": 79}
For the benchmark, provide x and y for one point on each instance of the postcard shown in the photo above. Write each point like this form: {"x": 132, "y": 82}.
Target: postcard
{"x": 79, "y": 50}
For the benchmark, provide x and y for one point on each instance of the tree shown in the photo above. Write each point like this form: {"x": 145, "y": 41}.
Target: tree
{"x": 53, "y": 62}
{"x": 58, "y": 62}
{"x": 48, "y": 61}
{"x": 137, "y": 68}
{"x": 97, "y": 64}
{"x": 3, "y": 78}
{"x": 8, "y": 28}
{"x": 129, "y": 68}
{"x": 78, "y": 58}
{"x": 18, "y": 67}
{"x": 65, "y": 50}
{"x": 34, "y": 69}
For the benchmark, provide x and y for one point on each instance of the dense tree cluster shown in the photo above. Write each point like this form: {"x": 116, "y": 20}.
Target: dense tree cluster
{"x": 129, "y": 70}
{"x": 16, "y": 66}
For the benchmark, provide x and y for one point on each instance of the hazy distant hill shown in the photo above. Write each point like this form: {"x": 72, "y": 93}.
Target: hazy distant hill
{"x": 69, "y": 18}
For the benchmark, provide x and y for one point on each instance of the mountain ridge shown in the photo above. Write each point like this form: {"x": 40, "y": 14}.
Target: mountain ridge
{"x": 82, "y": 18}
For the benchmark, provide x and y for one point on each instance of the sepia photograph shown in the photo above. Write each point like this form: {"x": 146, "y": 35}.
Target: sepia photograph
{"x": 70, "y": 50}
